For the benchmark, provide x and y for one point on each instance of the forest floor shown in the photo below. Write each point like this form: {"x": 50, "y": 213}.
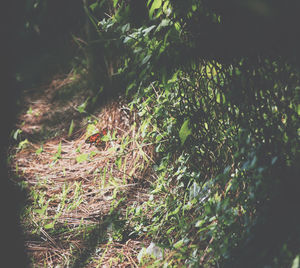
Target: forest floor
{"x": 79, "y": 195}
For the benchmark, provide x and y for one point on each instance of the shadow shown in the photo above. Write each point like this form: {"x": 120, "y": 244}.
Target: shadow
{"x": 97, "y": 236}
{"x": 108, "y": 224}
{"x": 276, "y": 229}
{"x": 12, "y": 198}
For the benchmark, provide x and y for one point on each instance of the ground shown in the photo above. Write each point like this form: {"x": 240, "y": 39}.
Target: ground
{"x": 79, "y": 194}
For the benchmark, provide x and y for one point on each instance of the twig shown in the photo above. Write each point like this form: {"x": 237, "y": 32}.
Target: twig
{"x": 46, "y": 235}
{"x": 206, "y": 251}
{"x": 130, "y": 259}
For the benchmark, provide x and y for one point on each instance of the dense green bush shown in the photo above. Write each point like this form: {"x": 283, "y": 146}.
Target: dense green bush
{"x": 230, "y": 164}
{"x": 226, "y": 128}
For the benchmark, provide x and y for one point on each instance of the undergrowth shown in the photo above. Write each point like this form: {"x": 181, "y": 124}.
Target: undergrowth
{"x": 231, "y": 127}
{"x": 215, "y": 177}
{"x": 202, "y": 170}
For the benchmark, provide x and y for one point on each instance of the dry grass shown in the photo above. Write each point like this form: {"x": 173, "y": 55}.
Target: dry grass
{"x": 75, "y": 206}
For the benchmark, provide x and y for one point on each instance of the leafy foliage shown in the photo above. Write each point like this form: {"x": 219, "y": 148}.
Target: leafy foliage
{"x": 226, "y": 185}
{"x": 232, "y": 130}
{"x": 230, "y": 170}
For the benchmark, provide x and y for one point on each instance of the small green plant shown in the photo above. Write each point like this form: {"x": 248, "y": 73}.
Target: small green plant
{"x": 29, "y": 111}
{"x": 39, "y": 150}
{"x": 184, "y": 131}
{"x": 82, "y": 157}
{"x": 16, "y": 134}
{"x": 81, "y": 108}
{"x": 23, "y": 145}
{"x": 57, "y": 155}
{"x": 71, "y": 128}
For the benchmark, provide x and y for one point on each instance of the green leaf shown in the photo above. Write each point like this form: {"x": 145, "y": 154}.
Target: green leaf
{"x": 155, "y": 5}
{"x": 119, "y": 162}
{"x": 148, "y": 30}
{"x": 59, "y": 149}
{"x": 23, "y": 144}
{"x": 125, "y": 28}
{"x": 177, "y": 26}
{"x": 92, "y": 153}
{"x": 175, "y": 211}
{"x": 218, "y": 98}
{"x": 29, "y": 111}
{"x": 40, "y": 150}
{"x": 91, "y": 129}
{"x": 42, "y": 210}
{"x": 71, "y": 128}
{"x": 146, "y": 59}
{"x": 115, "y": 2}
{"x": 296, "y": 262}
{"x": 174, "y": 78}
{"x": 164, "y": 23}
{"x": 127, "y": 39}
{"x": 178, "y": 244}
{"x": 81, "y": 107}
{"x": 49, "y": 225}
{"x": 16, "y": 134}
{"x": 199, "y": 223}
{"x": 82, "y": 158}
{"x": 274, "y": 159}
{"x": 184, "y": 131}
{"x": 170, "y": 230}
{"x": 93, "y": 6}
{"x": 194, "y": 190}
